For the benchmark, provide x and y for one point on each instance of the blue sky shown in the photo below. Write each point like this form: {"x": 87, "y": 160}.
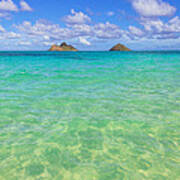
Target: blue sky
{"x": 90, "y": 25}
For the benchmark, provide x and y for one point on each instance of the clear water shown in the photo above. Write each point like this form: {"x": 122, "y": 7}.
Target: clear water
{"x": 89, "y": 115}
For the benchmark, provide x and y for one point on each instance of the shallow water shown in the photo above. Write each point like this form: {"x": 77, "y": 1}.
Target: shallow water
{"x": 89, "y": 115}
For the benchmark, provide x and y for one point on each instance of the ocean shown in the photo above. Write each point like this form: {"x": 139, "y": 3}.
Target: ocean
{"x": 89, "y": 115}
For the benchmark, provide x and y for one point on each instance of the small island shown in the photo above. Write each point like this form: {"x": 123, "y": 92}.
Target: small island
{"x": 62, "y": 47}
{"x": 119, "y": 47}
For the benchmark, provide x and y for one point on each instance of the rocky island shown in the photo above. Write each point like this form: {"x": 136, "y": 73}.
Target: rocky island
{"x": 62, "y": 47}
{"x": 119, "y": 47}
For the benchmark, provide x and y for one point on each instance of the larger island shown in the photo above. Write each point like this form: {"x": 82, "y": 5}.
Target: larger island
{"x": 62, "y": 47}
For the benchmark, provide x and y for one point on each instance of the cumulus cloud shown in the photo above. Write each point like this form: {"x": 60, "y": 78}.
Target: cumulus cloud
{"x": 136, "y": 31}
{"x": 81, "y": 30}
{"x": 47, "y": 43}
{"x": 2, "y": 29}
{"x": 55, "y": 32}
{"x": 110, "y": 13}
{"x": 46, "y": 37}
{"x": 150, "y": 8}
{"x": 4, "y": 15}
{"x": 107, "y": 31}
{"x": 77, "y": 27}
{"x": 8, "y": 5}
{"x": 158, "y": 26}
{"x": 9, "y": 35}
{"x": 84, "y": 41}
{"x": 157, "y": 29}
{"x": 25, "y": 6}
{"x": 43, "y": 29}
{"x": 76, "y": 18}
{"x": 12, "y": 35}
{"x": 24, "y": 43}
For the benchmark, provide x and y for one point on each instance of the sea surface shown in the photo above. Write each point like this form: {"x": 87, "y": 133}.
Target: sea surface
{"x": 89, "y": 116}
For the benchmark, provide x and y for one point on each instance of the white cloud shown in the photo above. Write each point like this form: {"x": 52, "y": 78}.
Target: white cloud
{"x": 136, "y": 31}
{"x": 174, "y": 24}
{"x": 84, "y": 41}
{"x": 110, "y": 13}
{"x": 55, "y": 32}
{"x": 151, "y": 25}
{"x": 81, "y": 29}
{"x": 9, "y": 35}
{"x": 2, "y": 29}
{"x": 12, "y": 35}
{"x": 149, "y": 8}
{"x": 24, "y": 43}
{"x": 43, "y": 29}
{"x": 76, "y": 18}
{"x": 77, "y": 27}
{"x": 8, "y": 5}
{"x": 107, "y": 31}
{"x": 47, "y": 43}
{"x": 46, "y": 37}
{"x": 4, "y": 15}
{"x": 157, "y": 29}
{"x": 25, "y": 6}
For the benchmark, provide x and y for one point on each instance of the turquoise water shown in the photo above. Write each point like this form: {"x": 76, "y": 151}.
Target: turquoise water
{"x": 89, "y": 116}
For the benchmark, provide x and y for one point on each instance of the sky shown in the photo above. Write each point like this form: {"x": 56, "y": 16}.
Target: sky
{"x": 90, "y": 24}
